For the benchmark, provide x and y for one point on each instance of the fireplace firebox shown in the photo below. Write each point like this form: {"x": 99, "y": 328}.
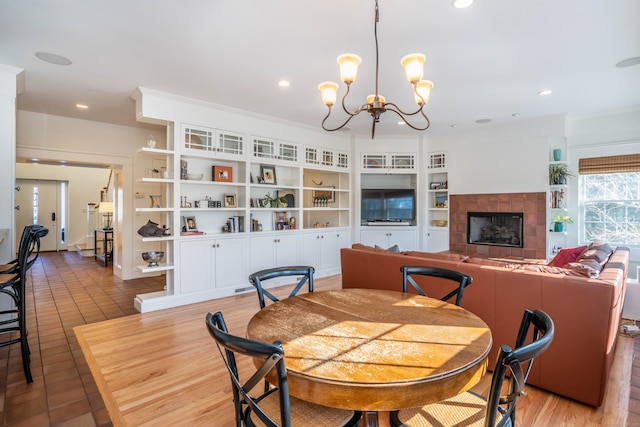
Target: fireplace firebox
{"x": 495, "y": 228}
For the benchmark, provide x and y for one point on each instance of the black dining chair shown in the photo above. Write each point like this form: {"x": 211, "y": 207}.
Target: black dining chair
{"x": 14, "y": 285}
{"x": 472, "y": 409}
{"x": 274, "y": 408}
{"x": 463, "y": 280}
{"x": 257, "y": 279}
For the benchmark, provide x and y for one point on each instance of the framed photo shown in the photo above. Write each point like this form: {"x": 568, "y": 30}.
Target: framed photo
{"x": 230, "y": 201}
{"x": 435, "y": 185}
{"x": 328, "y": 195}
{"x": 222, "y": 173}
{"x": 268, "y": 174}
{"x": 190, "y": 223}
{"x": 281, "y": 217}
{"x": 289, "y": 197}
{"x": 441, "y": 200}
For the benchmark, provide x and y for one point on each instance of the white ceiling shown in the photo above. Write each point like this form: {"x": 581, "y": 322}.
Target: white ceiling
{"x": 487, "y": 61}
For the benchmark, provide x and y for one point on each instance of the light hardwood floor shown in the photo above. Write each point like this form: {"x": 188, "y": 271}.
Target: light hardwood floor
{"x": 70, "y": 291}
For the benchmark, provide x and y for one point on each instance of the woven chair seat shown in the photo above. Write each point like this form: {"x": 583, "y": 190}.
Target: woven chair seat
{"x": 466, "y": 409}
{"x": 303, "y": 413}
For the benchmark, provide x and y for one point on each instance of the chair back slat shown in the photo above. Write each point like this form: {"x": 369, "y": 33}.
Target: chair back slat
{"x": 463, "y": 280}
{"x": 257, "y": 279}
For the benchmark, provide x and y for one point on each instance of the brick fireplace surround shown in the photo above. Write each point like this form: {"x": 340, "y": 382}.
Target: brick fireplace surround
{"x": 534, "y": 207}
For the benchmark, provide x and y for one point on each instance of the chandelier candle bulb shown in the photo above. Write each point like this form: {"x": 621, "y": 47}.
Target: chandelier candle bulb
{"x": 349, "y": 67}
{"x": 413, "y": 67}
{"x": 371, "y": 98}
{"x": 328, "y": 92}
{"x": 423, "y": 91}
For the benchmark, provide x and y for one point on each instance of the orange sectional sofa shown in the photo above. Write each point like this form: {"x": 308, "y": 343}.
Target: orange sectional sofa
{"x": 586, "y": 311}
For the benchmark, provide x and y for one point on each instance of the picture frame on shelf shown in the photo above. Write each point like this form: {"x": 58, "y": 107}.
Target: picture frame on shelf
{"x": 230, "y": 200}
{"x": 440, "y": 200}
{"x": 268, "y": 174}
{"x": 328, "y": 195}
{"x": 190, "y": 223}
{"x": 435, "y": 185}
{"x": 222, "y": 173}
{"x": 281, "y": 220}
{"x": 289, "y": 197}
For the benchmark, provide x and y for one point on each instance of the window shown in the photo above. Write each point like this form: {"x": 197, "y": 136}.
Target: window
{"x": 610, "y": 200}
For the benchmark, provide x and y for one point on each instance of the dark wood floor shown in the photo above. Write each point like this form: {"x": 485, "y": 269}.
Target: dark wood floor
{"x": 66, "y": 290}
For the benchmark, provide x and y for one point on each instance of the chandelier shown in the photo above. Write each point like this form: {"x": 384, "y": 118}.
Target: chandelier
{"x": 376, "y": 104}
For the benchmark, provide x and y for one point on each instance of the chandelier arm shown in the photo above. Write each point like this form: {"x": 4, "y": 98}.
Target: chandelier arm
{"x": 398, "y": 110}
{"x": 373, "y": 128}
{"x": 344, "y": 106}
{"x": 404, "y": 119}
{"x": 351, "y": 115}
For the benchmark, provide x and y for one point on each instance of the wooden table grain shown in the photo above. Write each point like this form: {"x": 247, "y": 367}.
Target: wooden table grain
{"x": 375, "y": 350}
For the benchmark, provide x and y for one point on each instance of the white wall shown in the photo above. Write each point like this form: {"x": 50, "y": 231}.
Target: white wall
{"x": 84, "y": 187}
{"x": 500, "y": 159}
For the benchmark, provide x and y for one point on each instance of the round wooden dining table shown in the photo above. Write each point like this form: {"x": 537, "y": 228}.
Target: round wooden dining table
{"x": 374, "y": 350}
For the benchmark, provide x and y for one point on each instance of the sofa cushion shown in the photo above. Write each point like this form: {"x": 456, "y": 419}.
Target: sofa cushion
{"x": 485, "y": 261}
{"x": 567, "y": 255}
{"x": 438, "y": 255}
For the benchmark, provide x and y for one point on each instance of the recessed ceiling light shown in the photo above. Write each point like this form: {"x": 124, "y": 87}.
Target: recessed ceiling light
{"x": 461, "y": 4}
{"x": 52, "y": 58}
{"x": 284, "y": 83}
{"x": 82, "y": 106}
{"x": 483, "y": 121}
{"x": 629, "y": 62}
{"x": 545, "y": 92}
{"x": 515, "y": 114}
{"x": 454, "y": 125}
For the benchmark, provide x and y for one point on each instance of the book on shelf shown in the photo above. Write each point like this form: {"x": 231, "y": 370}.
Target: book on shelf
{"x": 192, "y": 233}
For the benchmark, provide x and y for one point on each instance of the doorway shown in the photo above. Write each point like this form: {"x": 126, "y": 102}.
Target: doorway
{"x": 43, "y": 202}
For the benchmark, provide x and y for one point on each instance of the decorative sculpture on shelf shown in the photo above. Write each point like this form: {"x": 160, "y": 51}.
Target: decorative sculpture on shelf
{"x": 152, "y": 229}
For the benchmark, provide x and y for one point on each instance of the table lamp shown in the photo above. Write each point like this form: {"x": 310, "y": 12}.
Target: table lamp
{"x": 106, "y": 208}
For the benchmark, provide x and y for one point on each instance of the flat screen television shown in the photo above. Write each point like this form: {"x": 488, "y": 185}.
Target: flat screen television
{"x": 393, "y": 204}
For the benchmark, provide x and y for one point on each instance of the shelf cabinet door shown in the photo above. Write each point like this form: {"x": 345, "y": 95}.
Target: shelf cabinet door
{"x": 437, "y": 240}
{"x": 405, "y": 239}
{"x": 197, "y": 266}
{"x": 273, "y": 251}
{"x": 319, "y": 250}
{"x": 230, "y": 262}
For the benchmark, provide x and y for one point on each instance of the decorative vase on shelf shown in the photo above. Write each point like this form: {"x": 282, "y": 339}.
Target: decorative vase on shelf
{"x": 557, "y": 155}
{"x": 156, "y": 201}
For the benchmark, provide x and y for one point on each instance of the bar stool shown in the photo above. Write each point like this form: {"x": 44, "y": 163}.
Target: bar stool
{"x": 13, "y": 284}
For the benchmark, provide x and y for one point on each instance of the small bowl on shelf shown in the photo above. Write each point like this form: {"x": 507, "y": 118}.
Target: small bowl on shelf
{"x": 439, "y": 222}
{"x": 153, "y": 258}
{"x": 195, "y": 176}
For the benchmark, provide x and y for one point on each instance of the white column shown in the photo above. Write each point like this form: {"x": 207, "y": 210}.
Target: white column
{"x": 11, "y": 84}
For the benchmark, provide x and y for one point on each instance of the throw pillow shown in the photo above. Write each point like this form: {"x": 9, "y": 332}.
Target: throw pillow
{"x": 599, "y": 255}
{"x": 566, "y": 256}
{"x": 392, "y": 249}
{"x": 603, "y": 246}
